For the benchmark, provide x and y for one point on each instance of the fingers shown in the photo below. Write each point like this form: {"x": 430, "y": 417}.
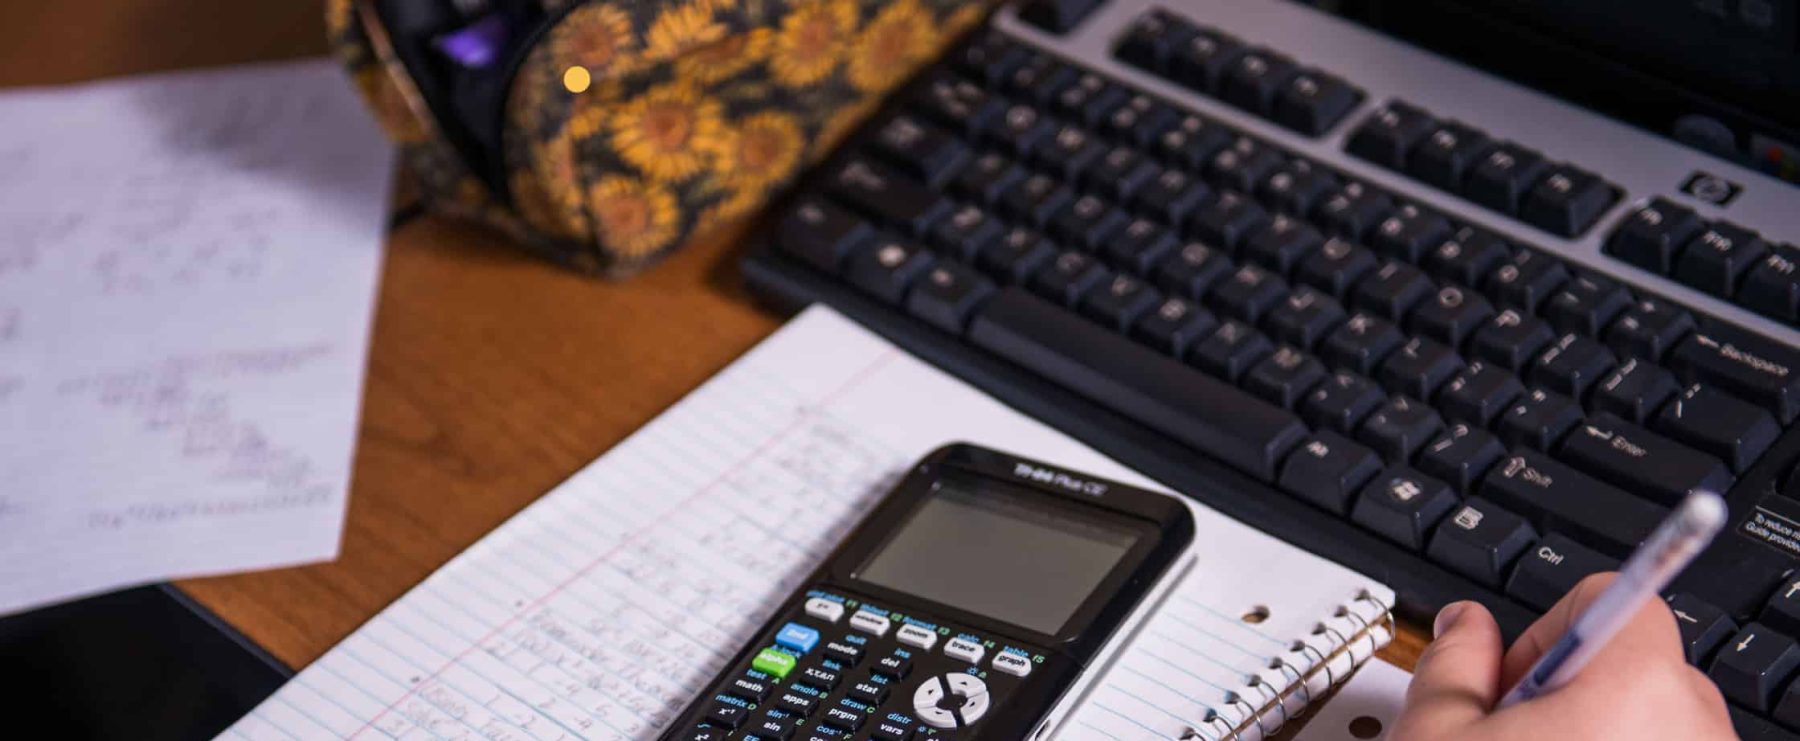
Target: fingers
{"x": 1552, "y": 625}
{"x": 1457, "y": 679}
{"x": 1651, "y": 641}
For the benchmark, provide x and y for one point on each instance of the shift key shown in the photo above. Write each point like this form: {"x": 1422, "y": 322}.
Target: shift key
{"x": 1642, "y": 461}
{"x": 1558, "y": 498}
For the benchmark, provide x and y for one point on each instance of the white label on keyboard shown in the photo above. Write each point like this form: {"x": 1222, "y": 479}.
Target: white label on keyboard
{"x": 914, "y": 635}
{"x": 961, "y": 648}
{"x": 869, "y": 622}
{"x": 1012, "y": 663}
{"x": 824, "y": 609}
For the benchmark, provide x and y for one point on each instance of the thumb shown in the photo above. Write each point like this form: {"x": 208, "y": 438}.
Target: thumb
{"x": 1457, "y": 679}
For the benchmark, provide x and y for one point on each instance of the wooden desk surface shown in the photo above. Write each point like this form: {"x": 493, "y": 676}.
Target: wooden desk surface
{"x": 492, "y": 377}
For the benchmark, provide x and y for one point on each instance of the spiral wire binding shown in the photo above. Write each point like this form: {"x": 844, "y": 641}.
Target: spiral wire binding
{"x": 1341, "y": 646}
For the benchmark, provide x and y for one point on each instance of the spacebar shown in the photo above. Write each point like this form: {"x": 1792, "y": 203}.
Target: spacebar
{"x": 1153, "y": 389}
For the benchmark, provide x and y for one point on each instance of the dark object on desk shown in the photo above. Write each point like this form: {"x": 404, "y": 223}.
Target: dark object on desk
{"x": 145, "y": 664}
{"x": 1423, "y": 334}
{"x": 605, "y": 134}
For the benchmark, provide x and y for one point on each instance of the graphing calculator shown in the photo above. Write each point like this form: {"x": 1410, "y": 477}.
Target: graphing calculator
{"x": 977, "y": 600}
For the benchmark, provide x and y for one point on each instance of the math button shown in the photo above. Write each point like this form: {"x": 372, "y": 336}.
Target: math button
{"x": 1752, "y": 664}
{"x": 797, "y": 637}
{"x": 773, "y": 663}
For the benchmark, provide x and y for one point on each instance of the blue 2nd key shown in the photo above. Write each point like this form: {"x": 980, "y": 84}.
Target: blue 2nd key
{"x": 797, "y": 637}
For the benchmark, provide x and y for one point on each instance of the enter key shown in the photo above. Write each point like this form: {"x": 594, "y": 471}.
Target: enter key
{"x": 1642, "y": 461}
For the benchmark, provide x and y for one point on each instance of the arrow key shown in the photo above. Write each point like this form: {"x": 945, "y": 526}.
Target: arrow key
{"x": 1782, "y": 611}
{"x": 1703, "y": 627}
{"x": 1753, "y": 664}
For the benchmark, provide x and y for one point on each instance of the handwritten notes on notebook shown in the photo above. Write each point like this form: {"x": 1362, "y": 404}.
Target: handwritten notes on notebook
{"x": 602, "y": 609}
{"x": 187, "y": 270}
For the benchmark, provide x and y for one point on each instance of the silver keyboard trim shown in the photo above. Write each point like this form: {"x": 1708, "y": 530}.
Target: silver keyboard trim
{"x": 1642, "y": 163}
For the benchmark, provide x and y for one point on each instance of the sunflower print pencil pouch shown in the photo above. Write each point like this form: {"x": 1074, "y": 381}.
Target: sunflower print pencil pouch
{"x": 605, "y": 133}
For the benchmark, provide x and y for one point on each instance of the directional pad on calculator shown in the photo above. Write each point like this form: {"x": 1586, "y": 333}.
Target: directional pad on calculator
{"x": 951, "y": 701}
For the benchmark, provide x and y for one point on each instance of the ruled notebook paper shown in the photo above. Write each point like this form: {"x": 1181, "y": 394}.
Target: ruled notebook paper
{"x": 603, "y": 608}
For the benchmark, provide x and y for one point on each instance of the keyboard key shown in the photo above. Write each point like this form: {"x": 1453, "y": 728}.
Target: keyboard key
{"x": 1243, "y": 165}
{"x": 1649, "y": 329}
{"x": 1353, "y": 211}
{"x": 1567, "y": 201}
{"x": 1175, "y": 325}
{"x": 1201, "y": 61}
{"x": 1419, "y": 367}
{"x": 1408, "y": 233}
{"x": 868, "y": 692}
{"x": 1016, "y": 256}
{"x": 1251, "y": 81}
{"x": 1139, "y": 247}
{"x": 1753, "y": 664}
{"x": 1120, "y": 173}
{"x": 1150, "y": 38}
{"x": 1461, "y": 456}
{"x": 1312, "y": 101}
{"x": 921, "y": 150}
{"x": 966, "y": 232}
{"x": 1068, "y": 277}
{"x": 1087, "y": 223}
{"x": 845, "y": 653}
{"x": 1503, "y": 176}
{"x": 1402, "y": 505}
{"x": 1782, "y": 611}
{"x": 1586, "y": 305}
{"x": 1191, "y": 142}
{"x": 887, "y": 196}
{"x": 1069, "y": 153}
{"x": 749, "y": 689}
{"x": 1480, "y": 394}
{"x": 1040, "y": 79}
{"x": 1703, "y": 627}
{"x": 1203, "y": 413}
{"x": 1560, "y": 499}
{"x": 1304, "y": 318}
{"x": 1772, "y": 288}
{"x": 989, "y": 176}
{"x": 958, "y": 105}
{"x": 1400, "y": 428}
{"x": 1089, "y": 99}
{"x": 1451, "y": 315}
{"x": 1248, "y": 294}
{"x": 1480, "y": 540}
{"x": 1651, "y": 235}
{"x": 1282, "y": 245}
{"x": 1511, "y": 340}
{"x": 1284, "y": 377}
{"x": 1120, "y": 301}
{"x": 1228, "y": 220}
{"x": 1297, "y": 187}
{"x": 824, "y": 679}
{"x": 798, "y": 703}
{"x": 1388, "y": 135}
{"x": 1467, "y": 257}
{"x": 947, "y": 294}
{"x": 990, "y": 58}
{"x": 1391, "y": 291}
{"x": 1747, "y": 366}
{"x": 1734, "y": 430}
{"x": 1527, "y": 280}
{"x": 888, "y": 730}
{"x": 1642, "y": 461}
{"x": 1022, "y": 129}
{"x": 1172, "y": 195}
{"x": 843, "y": 716}
{"x": 771, "y": 728}
{"x": 1140, "y": 120}
{"x": 1719, "y": 257}
{"x": 1445, "y": 156}
{"x": 1551, "y": 568}
{"x": 1035, "y": 199}
{"x": 1231, "y": 350}
{"x": 1361, "y": 343}
{"x": 1635, "y": 391}
{"x": 1538, "y": 420}
{"x": 1571, "y": 365}
{"x": 892, "y": 667}
{"x": 1336, "y": 266}
{"x": 820, "y": 233}
{"x": 1341, "y": 402}
{"x": 888, "y": 268}
{"x": 1327, "y": 470}
{"x": 727, "y": 715}
{"x": 1193, "y": 270}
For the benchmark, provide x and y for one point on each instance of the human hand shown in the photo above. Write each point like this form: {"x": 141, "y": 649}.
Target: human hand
{"x": 1638, "y": 687}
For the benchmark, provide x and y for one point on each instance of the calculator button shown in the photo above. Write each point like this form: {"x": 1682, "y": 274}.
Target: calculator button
{"x": 925, "y": 704}
{"x": 748, "y": 689}
{"x": 797, "y": 637}
{"x": 844, "y": 652}
{"x": 843, "y": 717}
{"x": 726, "y": 715}
{"x": 890, "y": 731}
{"x": 913, "y": 635}
{"x": 962, "y": 648}
{"x": 868, "y": 692}
{"x": 972, "y": 692}
{"x": 775, "y": 729}
{"x": 773, "y": 663}
{"x": 1012, "y": 663}
{"x": 825, "y": 609}
{"x": 824, "y": 679}
{"x": 797, "y": 703}
{"x": 706, "y": 733}
{"x": 973, "y": 707}
{"x": 896, "y": 667}
{"x": 869, "y": 622}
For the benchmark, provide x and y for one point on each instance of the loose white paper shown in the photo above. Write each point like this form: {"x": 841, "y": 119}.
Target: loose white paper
{"x": 188, "y": 265}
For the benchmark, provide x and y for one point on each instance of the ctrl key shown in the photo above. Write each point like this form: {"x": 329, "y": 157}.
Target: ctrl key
{"x": 1753, "y": 664}
{"x": 1550, "y": 570}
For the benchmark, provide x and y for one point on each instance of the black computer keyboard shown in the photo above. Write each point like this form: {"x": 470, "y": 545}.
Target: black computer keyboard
{"x": 1460, "y": 413}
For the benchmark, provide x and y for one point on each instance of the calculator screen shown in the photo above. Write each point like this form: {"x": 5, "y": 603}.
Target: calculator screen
{"x": 995, "y": 554}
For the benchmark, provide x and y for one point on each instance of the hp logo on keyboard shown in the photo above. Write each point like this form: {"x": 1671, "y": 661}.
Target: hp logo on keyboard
{"x": 1711, "y": 188}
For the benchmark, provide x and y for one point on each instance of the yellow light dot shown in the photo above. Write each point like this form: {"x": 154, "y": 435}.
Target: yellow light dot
{"x": 577, "y": 79}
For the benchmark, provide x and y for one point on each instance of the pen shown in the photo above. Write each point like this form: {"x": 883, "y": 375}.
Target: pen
{"x": 1664, "y": 554}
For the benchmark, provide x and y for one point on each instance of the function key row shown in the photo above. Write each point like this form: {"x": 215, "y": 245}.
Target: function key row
{"x": 1718, "y": 257}
{"x": 801, "y": 639}
{"x": 1504, "y": 176}
{"x": 1257, "y": 79}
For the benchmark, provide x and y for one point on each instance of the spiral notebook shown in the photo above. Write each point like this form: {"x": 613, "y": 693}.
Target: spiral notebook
{"x": 601, "y": 610}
